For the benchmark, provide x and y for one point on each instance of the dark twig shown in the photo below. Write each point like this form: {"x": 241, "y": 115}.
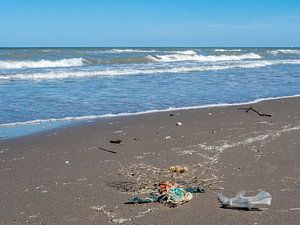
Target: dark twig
{"x": 106, "y": 150}
{"x": 254, "y": 110}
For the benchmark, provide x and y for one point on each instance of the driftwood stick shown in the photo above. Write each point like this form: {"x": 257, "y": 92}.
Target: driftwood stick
{"x": 254, "y": 110}
{"x": 106, "y": 150}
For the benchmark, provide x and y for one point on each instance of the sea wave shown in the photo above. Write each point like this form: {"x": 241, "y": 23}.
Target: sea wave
{"x": 227, "y": 50}
{"x": 130, "y": 51}
{"x": 50, "y": 50}
{"x": 193, "y": 56}
{"x": 12, "y": 64}
{"x": 185, "y": 52}
{"x": 284, "y": 51}
{"x": 123, "y": 71}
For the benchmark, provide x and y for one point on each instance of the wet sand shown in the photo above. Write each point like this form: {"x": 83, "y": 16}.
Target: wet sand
{"x": 57, "y": 177}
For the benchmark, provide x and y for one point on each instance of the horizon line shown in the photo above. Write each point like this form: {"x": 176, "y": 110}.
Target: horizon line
{"x": 149, "y": 47}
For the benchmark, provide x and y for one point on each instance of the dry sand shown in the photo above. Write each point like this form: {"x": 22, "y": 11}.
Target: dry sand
{"x": 56, "y": 177}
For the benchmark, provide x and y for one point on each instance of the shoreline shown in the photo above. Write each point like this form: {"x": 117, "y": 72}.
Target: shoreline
{"x": 70, "y": 121}
{"x": 55, "y": 177}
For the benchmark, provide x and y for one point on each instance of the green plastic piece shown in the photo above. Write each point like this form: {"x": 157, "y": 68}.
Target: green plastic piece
{"x": 137, "y": 200}
{"x": 195, "y": 190}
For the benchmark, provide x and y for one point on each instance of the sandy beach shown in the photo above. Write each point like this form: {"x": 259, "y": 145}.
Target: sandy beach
{"x": 74, "y": 175}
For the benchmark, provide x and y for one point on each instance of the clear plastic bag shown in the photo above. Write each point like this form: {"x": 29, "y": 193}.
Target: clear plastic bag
{"x": 241, "y": 201}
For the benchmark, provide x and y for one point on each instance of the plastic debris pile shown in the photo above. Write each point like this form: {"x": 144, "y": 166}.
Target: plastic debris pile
{"x": 148, "y": 177}
{"x": 169, "y": 193}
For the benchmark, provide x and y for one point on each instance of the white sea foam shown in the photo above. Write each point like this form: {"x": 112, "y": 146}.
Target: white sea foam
{"x": 61, "y": 74}
{"x": 92, "y": 117}
{"x": 12, "y": 64}
{"x": 285, "y": 51}
{"x": 130, "y": 51}
{"x": 227, "y": 50}
{"x": 50, "y": 50}
{"x": 120, "y": 51}
{"x": 186, "y": 52}
{"x": 193, "y": 56}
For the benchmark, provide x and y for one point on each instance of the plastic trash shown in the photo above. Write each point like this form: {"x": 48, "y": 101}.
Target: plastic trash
{"x": 137, "y": 200}
{"x": 241, "y": 201}
{"x": 195, "y": 189}
{"x": 177, "y": 196}
{"x": 170, "y": 193}
{"x": 174, "y": 196}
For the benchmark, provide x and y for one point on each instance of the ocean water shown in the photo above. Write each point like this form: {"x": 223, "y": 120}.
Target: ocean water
{"x": 41, "y": 88}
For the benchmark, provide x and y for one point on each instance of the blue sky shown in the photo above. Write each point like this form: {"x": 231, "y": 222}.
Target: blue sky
{"x": 149, "y": 23}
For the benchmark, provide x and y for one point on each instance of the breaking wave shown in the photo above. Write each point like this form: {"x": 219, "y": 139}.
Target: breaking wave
{"x": 10, "y": 64}
{"x": 130, "y": 51}
{"x": 227, "y": 50}
{"x": 185, "y": 52}
{"x": 193, "y": 56}
{"x": 284, "y": 51}
{"x": 60, "y": 74}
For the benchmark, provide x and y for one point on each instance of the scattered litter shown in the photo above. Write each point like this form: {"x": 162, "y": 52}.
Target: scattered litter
{"x": 171, "y": 114}
{"x": 285, "y": 189}
{"x": 178, "y": 169}
{"x": 106, "y": 161}
{"x": 241, "y": 201}
{"x": 210, "y": 114}
{"x": 169, "y": 193}
{"x": 42, "y": 189}
{"x": 106, "y": 150}
{"x": 178, "y": 124}
{"x": 168, "y": 137}
{"x": 33, "y": 216}
{"x": 254, "y": 110}
{"x": 110, "y": 214}
{"x": 82, "y": 179}
{"x": 118, "y": 131}
{"x": 294, "y": 209}
{"x": 137, "y": 200}
{"x": 115, "y": 141}
{"x": 185, "y": 152}
{"x": 15, "y": 159}
{"x": 98, "y": 208}
{"x": 141, "y": 214}
{"x": 68, "y": 162}
{"x": 120, "y": 220}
